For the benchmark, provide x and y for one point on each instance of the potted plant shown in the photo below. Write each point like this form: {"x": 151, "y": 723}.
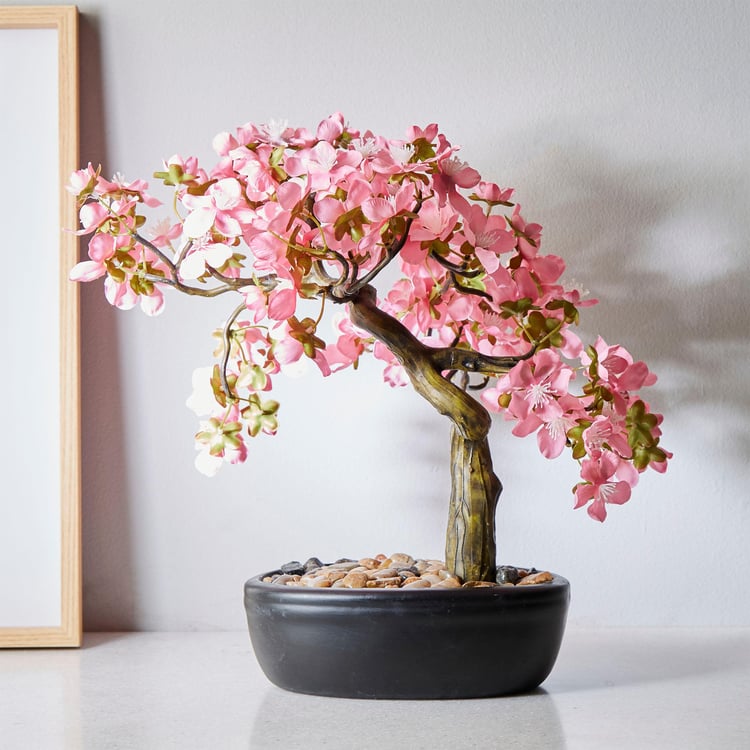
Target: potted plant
{"x": 292, "y": 224}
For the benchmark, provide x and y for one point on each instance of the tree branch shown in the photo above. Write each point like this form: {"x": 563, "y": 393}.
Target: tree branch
{"x": 226, "y": 337}
{"x": 471, "y": 419}
{"x": 193, "y": 291}
{"x": 468, "y": 360}
{"x": 391, "y": 252}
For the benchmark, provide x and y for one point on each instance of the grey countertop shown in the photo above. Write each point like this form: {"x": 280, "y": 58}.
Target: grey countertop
{"x": 610, "y": 689}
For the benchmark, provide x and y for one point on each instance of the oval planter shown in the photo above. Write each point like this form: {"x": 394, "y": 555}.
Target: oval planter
{"x": 414, "y": 644}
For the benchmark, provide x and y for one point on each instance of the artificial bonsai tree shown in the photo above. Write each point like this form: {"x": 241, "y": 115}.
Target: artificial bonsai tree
{"x": 289, "y": 222}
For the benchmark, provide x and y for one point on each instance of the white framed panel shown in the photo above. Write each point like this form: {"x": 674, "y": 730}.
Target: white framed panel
{"x": 40, "y": 539}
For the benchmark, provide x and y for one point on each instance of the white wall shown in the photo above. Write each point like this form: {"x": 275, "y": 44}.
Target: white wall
{"x": 624, "y": 128}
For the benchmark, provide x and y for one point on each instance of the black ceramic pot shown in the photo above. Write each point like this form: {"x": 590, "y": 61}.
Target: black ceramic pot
{"x": 407, "y": 644}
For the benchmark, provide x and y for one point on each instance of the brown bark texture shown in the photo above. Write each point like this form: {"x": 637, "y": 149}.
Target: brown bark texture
{"x": 470, "y": 538}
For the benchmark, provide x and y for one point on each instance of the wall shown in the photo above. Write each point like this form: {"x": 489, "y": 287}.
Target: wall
{"x": 624, "y": 128}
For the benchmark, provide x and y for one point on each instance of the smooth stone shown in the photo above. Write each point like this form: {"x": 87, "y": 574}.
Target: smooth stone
{"x": 384, "y": 573}
{"x": 284, "y": 578}
{"x": 507, "y": 574}
{"x": 542, "y": 577}
{"x": 448, "y": 583}
{"x": 401, "y": 558}
{"x": 293, "y": 568}
{"x": 354, "y": 580}
{"x": 317, "y": 582}
{"x": 312, "y": 564}
{"x": 382, "y": 583}
{"x": 416, "y": 583}
{"x": 345, "y": 565}
{"x": 335, "y": 575}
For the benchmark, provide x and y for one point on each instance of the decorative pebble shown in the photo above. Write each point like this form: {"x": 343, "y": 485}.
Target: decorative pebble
{"x": 399, "y": 558}
{"x": 294, "y": 568}
{"x": 479, "y": 585}
{"x": 354, "y": 580}
{"x": 416, "y": 583}
{"x": 529, "y": 580}
{"x": 397, "y": 571}
{"x": 312, "y": 564}
{"x": 507, "y": 574}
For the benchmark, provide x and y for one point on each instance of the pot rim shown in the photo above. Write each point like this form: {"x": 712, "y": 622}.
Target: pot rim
{"x": 529, "y": 591}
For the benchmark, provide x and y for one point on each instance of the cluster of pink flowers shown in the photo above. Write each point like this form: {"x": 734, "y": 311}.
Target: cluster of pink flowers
{"x": 287, "y": 219}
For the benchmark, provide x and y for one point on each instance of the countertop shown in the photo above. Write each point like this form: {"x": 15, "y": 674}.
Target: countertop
{"x": 610, "y": 689}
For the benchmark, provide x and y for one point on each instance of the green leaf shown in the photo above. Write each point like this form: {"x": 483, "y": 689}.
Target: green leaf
{"x": 351, "y": 222}
{"x": 423, "y": 150}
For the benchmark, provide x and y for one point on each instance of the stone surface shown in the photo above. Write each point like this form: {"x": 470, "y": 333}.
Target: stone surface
{"x": 293, "y": 568}
{"x": 398, "y": 570}
{"x": 507, "y": 574}
{"x": 354, "y": 580}
{"x": 533, "y": 578}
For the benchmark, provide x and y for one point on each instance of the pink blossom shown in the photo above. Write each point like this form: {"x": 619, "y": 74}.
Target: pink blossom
{"x": 394, "y": 374}
{"x": 322, "y": 164}
{"x": 535, "y": 384}
{"x": 282, "y": 302}
{"x": 428, "y": 133}
{"x": 260, "y": 179}
{"x": 349, "y": 346}
{"x": 492, "y": 193}
{"x": 190, "y": 169}
{"x": 163, "y": 232}
{"x": 615, "y": 367}
{"x": 433, "y": 222}
{"x": 291, "y": 215}
{"x": 256, "y": 302}
{"x": 223, "y": 207}
{"x": 454, "y": 174}
{"x": 601, "y": 485}
{"x": 607, "y": 430}
{"x": 119, "y": 187}
{"x": 331, "y": 128}
{"x": 92, "y": 216}
{"x": 529, "y": 236}
{"x": 87, "y": 270}
{"x": 204, "y": 254}
{"x": 82, "y": 182}
{"x": 490, "y": 236}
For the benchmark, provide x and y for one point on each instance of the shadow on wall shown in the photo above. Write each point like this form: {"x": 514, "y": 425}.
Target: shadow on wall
{"x": 108, "y": 585}
{"x": 664, "y": 246}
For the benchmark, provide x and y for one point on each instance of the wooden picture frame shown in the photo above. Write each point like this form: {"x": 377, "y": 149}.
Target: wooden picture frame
{"x": 40, "y": 520}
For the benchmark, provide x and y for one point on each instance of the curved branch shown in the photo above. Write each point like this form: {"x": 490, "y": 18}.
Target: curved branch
{"x": 229, "y": 284}
{"x": 193, "y": 291}
{"x": 265, "y": 282}
{"x": 391, "y": 252}
{"x": 454, "y": 269}
{"x": 467, "y": 360}
{"x": 471, "y": 419}
{"x": 156, "y": 251}
{"x": 467, "y": 289}
{"x": 226, "y": 337}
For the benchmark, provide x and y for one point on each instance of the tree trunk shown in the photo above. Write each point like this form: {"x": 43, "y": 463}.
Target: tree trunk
{"x": 470, "y": 539}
